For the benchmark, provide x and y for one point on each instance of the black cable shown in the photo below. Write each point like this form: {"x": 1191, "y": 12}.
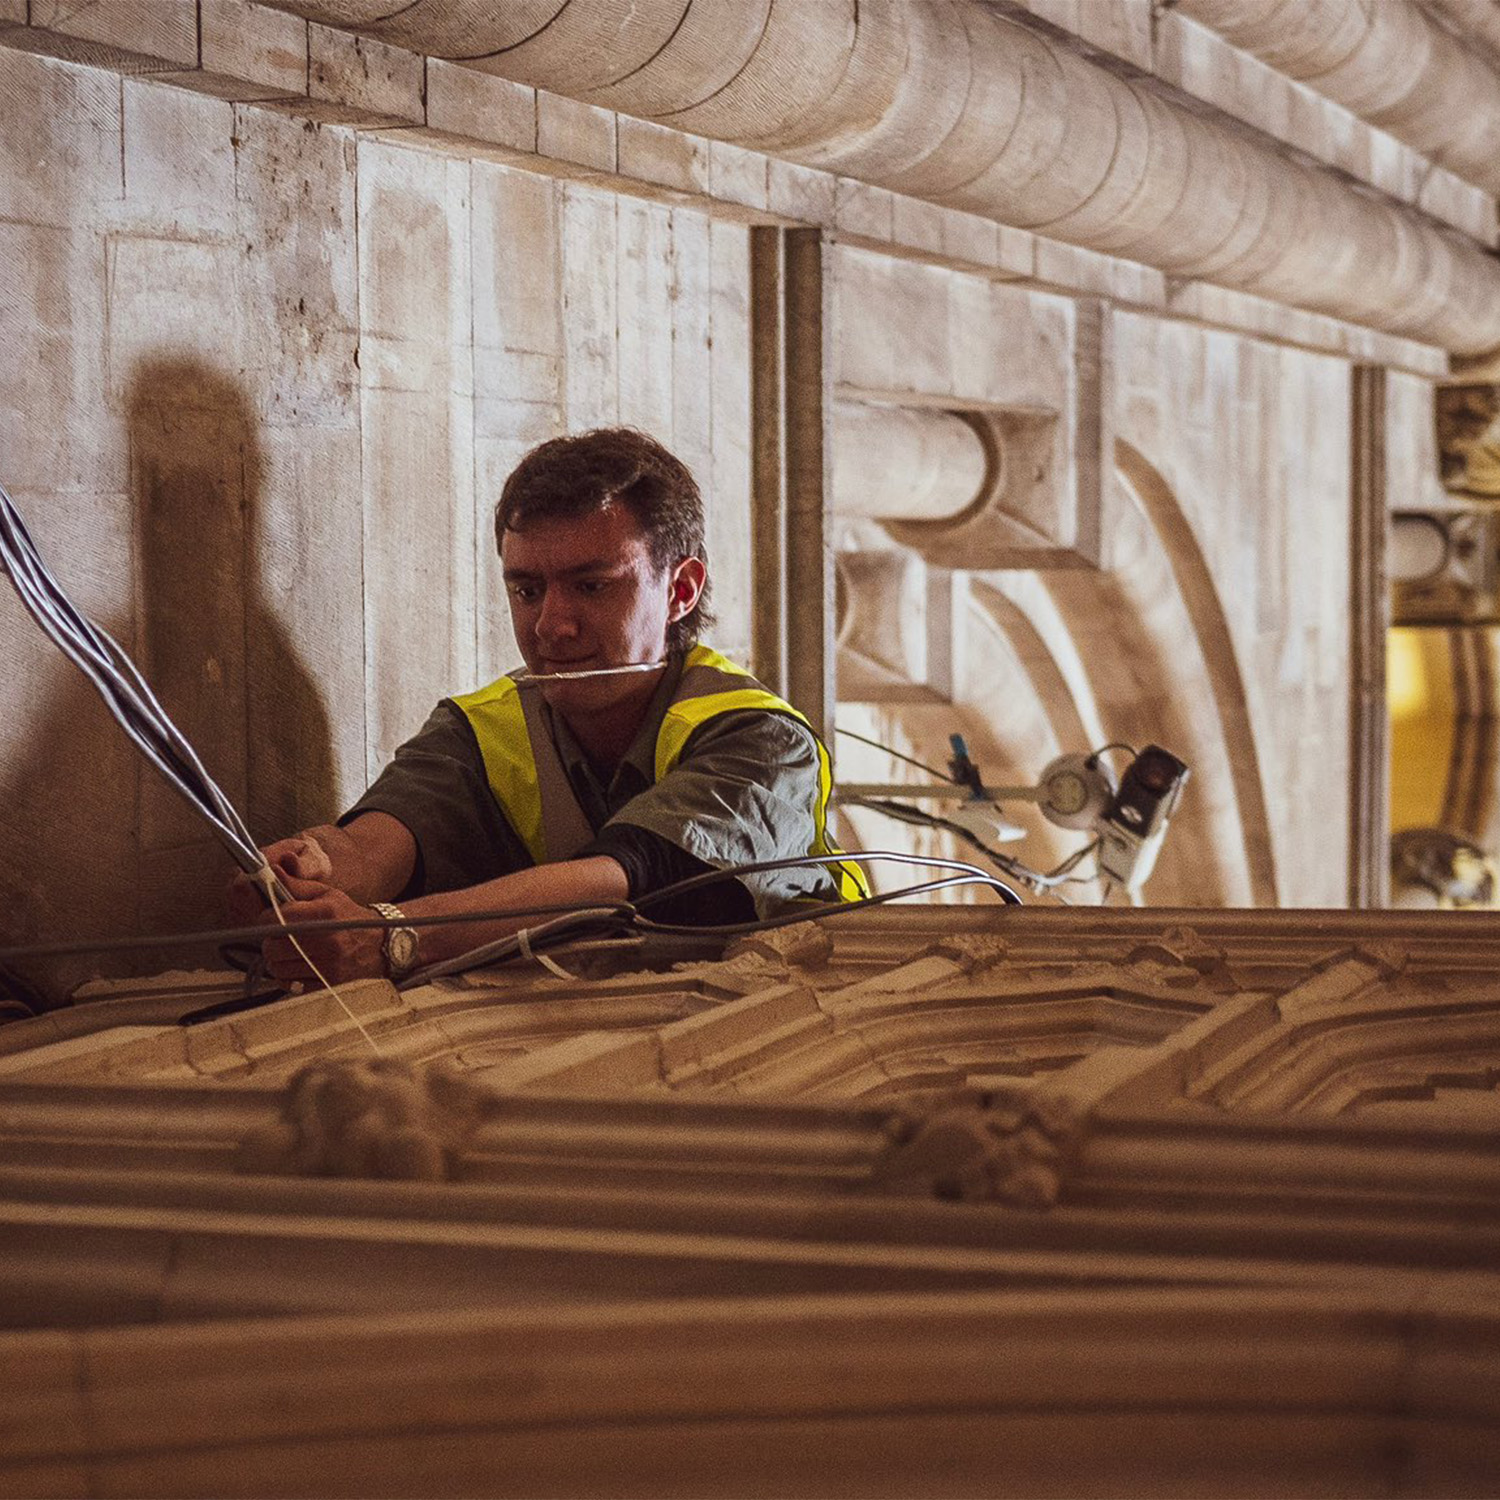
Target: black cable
{"x": 505, "y": 949}
{"x": 1012, "y": 867}
{"x": 894, "y": 754}
{"x": 804, "y": 861}
{"x": 832, "y": 909}
{"x": 219, "y": 936}
{"x": 259, "y": 932}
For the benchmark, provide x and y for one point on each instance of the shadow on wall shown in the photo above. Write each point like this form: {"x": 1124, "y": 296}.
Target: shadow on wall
{"x": 210, "y": 643}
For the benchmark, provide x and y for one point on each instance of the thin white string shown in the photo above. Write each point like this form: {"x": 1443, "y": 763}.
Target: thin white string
{"x": 265, "y": 877}
{"x": 523, "y": 942}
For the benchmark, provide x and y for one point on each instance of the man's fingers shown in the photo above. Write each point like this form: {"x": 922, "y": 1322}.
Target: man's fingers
{"x": 306, "y": 859}
{"x": 243, "y": 903}
{"x": 306, "y": 893}
{"x": 283, "y": 961}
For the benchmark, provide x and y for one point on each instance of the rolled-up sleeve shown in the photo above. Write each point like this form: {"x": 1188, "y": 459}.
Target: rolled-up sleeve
{"x": 745, "y": 790}
{"x": 437, "y": 787}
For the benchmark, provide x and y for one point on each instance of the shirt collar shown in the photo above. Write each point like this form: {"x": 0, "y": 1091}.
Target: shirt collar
{"x": 640, "y": 755}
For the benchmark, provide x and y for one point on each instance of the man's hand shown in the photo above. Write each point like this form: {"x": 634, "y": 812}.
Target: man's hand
{"x": 300, "y": 857}
{"x": 338, "y": 955}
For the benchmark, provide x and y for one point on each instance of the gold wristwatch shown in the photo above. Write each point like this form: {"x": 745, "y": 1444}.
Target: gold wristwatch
{"x": 399, "y": 947}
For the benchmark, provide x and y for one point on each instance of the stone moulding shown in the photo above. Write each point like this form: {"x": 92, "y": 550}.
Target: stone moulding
{"x": 924, "y": 97}
{"x": 1050, "y": 1193}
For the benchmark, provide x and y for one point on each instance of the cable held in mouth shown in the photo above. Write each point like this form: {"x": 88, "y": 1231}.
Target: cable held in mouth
{"x": 529, "y": 679}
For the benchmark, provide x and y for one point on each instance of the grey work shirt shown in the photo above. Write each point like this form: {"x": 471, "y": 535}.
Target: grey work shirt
{"x": 744, "y": 790}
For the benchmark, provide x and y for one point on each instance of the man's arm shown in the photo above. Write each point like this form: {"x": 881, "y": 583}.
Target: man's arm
{"x": 746, "y": 789}
{"x": 596, "y": 880}
{"x": 369, "y": 859}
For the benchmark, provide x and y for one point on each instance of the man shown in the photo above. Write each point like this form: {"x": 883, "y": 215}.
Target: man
{"x": 572, "y": 784}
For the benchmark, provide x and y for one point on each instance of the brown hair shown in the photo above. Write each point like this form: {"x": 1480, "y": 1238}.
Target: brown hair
{"x": 567, "y": 477}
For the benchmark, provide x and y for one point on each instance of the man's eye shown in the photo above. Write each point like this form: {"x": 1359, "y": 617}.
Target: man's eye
{"x": 593, "y": 585}
{"x": 525, "y": 592}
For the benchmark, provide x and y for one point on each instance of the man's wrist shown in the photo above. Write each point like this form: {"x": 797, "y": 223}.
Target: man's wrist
{"x": 399, "y": 943}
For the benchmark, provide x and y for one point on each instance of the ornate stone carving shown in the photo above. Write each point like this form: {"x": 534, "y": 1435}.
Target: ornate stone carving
{"x": 1014, "y": 1150}
{"x": 370, "y": 1119}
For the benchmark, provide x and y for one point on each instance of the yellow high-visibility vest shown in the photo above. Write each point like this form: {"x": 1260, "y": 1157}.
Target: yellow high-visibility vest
{"x": 528, "y": 779}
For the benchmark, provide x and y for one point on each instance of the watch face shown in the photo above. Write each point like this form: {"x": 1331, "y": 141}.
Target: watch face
{"x": 401, "y": 949}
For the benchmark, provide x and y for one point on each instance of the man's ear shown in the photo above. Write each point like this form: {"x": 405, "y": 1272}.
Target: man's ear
{"x": 686, "y": 585}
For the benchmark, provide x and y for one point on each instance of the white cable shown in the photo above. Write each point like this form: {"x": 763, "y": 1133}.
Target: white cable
{"x": 265, "y": 878}
{"x": 124, "y": 690}
{"x": 529, "y": 679}
{"x": 523, "y": 942}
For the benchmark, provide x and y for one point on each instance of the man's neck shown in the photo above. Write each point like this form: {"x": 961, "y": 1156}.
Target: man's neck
{"x": 605, "y": 735}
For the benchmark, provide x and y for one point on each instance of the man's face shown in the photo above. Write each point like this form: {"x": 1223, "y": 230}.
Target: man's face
{"x": 584, "y": 594}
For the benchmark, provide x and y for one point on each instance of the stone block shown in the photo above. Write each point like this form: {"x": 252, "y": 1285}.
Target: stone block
{"x": 570, "y": 131}
{"x": 727, "y": 483}
{"x": 469, "y": 102}
{"x": 192, "y": 446}
{"x": 691, "y": 296}
{"x": 916, "y": 225}
{"x": 1120, "y": 27}
{"x": 1460, "y": 204}
{"x": 295, "y": 191}
{"x": 60, "y": 140}
{"x": 254, "y": 42}
{"x": 653, "y": 153}
{"x": 643, "y": 269}
{"x": 801, "y": 193}
{"x": 516, "y": 258}
{"x": 736, "y": 175}
{"x": 179, "y": 162}
{"x": 1073, "y": 267}
{"x": 57, "y": 430}
{"x": 417, "y": 436}
{"x": 589, "y": 235}
{"x": 970, "y": 238}
{"x": 159, "y": 28}
{"x": 415, "y": 285}
{"x": 419, "y": 560}
{"x": 864, "y": 210}
{"x": 304, "y": 628}
{"x": 170, "y": 300}
{"x": 365, "y": 74}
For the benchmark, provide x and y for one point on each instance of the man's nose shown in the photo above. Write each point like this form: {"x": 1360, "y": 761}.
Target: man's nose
{"x": 556, "y": 619}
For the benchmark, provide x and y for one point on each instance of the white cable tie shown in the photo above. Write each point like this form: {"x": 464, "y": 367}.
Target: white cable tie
{"x": 523, "y": 942}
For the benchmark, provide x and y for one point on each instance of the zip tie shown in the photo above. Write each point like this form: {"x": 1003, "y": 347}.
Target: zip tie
{"x": 523, "y": 942}
{"x": 265, "y": 878}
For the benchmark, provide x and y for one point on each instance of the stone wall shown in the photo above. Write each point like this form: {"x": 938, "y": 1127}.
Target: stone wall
{"x": 284, "y": 303}
{"x": 267, "y": 375}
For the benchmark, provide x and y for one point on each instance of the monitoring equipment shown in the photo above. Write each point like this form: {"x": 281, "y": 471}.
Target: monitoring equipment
{"x": 1135, "y": 822}
{"x": 1128, "y": 819}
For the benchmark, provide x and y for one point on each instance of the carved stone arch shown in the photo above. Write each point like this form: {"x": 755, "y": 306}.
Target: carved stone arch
{"x": 1054, "y": 693}
{"x": 1195, "y": 584}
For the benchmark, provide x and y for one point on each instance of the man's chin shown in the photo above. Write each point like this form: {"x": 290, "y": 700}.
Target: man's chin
{"x": 586, "y": 694}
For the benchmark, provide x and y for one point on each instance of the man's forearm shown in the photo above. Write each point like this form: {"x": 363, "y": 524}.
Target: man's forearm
{"x": 371, "y": 858}
{"x": 595, "y": 881}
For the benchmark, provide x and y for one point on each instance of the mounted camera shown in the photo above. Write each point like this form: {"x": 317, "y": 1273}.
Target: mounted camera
{"x": 1135, "y": 821}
